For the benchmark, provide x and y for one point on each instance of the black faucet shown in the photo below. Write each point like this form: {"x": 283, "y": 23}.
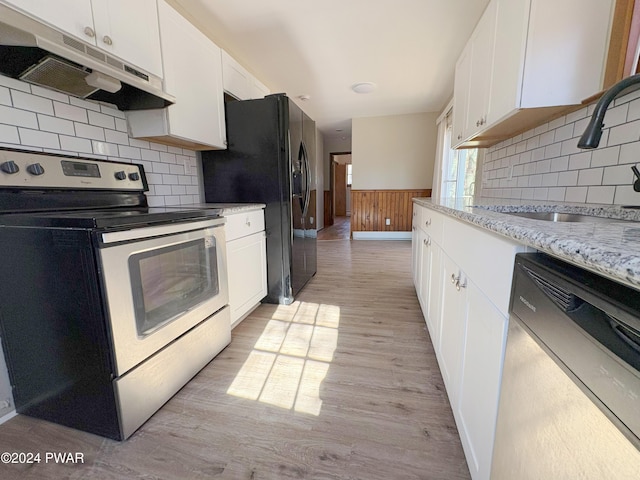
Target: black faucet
{"x": 591, "y": 136}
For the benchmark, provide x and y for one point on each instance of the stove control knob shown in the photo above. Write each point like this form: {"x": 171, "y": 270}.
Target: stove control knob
{"x": 35, "y": 169}
{"x": 9, "y": 167}
{"x": 134, "y": 176}
{"x": 121, "y": 175}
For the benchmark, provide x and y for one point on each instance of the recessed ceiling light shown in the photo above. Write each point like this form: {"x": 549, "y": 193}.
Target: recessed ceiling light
{"x": 338, "y": 129}
{"x": 363, "y": 87}
{"x": 304, "y": 97}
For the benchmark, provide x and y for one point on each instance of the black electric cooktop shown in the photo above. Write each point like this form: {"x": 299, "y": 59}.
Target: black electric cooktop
{"x": 102, "y": 218}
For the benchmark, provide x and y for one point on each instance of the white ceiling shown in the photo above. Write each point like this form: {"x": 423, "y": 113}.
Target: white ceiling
{"x": 408, "y": 48}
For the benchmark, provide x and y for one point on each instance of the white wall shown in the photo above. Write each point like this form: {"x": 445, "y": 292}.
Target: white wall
{"x": 394, "y": 152}
{"x": 546, "y": 164}
{"x": 39, "y": 119}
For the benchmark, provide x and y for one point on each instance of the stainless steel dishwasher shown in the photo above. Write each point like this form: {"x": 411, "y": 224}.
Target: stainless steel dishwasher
{"x": 570, "y": 393}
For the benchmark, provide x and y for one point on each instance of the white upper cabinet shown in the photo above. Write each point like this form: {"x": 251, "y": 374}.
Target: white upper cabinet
{"x": 461, "y": 96}
{"x": 482, "y": 42}
{"x": 544, "y": 57}
{"x": 126, "y": 29}
{"x": 238, "y": 82}
{"x": 193, "y": 74}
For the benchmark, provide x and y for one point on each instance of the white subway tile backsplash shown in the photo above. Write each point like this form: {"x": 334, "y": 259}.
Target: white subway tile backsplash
{"x": 625, "y": 133}
{"x": 167, "y": 157}
{"x": 626, "y": 195}
{"x": 601, "y": 194}
{"x": 559, "y": 164}
{"x": 161, "y": 168}
{"x": 634, "y": 110}
{"x": 570, "y": 147}
{"x": 89, "y": 131}
{"x": 615, "y": 116}
{"x": 51, "y": 94}
{"x": 177, "y": 169}
{"x": 134, "y": 142}
{"x": 568, "y": 179}
{"x": 34, "y": 118}
{"x": 618, "y": 175}
{"x": 575, "y": 116}
{"x": 113, "y": 136}
{"x": 158, "y": 146}
{"x": 101, "y": 120}
{"x": 114, "y": 112}
{"x": 591, "y": 176}
{"x": 5, "y": 96}
{"x": 629, "y": 153}
{"x": 604, "y": 157}
{"x": 129, "y": 152}
{"x": 19, "y": 118}
{"x": 84, "y": 104}
{"x": 104, "y": 148}
{"x": 36, "y": 138}
{"x": 55, "y": 125}
{"x": 70, "y": 112}
{"x": 9, "y": 134}
{"x": 576, "y": 194}
{"x": 75, "y": 144}
{"x": 169, "y": 179}
{"x": 563, "y": 133}
{"x": 150, "y": 155}
{"x": 580, "y": 161}
{"x": 556, "y": 194}
{"x": 14, "y": 84}
{"x": 121, "y": 125}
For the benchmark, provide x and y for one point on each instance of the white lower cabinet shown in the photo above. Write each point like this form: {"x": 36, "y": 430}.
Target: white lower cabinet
{"x": 464, "y": 296}
{"x": 452, "y": 328}
{"x": 246, "y": 263}
{"x": 482, "y": 359}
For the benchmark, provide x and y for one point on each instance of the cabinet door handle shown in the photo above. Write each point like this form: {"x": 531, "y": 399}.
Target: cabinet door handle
{"x": 460, "y": 285}
{"x": 478, "y": 123}
{"x": 107, "y": 39}
{"x": 88, "y": 31}
{"x": 428, "y": 222}
{"x": 248, "y": 223}
{"x": 454, "y": 279}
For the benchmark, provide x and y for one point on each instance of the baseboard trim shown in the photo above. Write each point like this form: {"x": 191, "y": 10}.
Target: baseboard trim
{"x": 381, "y": 235}
{"x": 8, "y": 416}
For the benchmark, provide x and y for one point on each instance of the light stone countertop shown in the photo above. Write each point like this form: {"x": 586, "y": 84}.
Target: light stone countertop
{"x": 611, "y": 249}
{"x": 224, "y": 209}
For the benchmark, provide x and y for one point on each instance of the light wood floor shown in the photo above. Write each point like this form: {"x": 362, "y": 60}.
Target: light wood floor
{"x": 340, "y": 230}
{"x": 343, "y": 384}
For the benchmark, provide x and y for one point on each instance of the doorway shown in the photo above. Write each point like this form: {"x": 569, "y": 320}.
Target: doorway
{"x": 337, "y": 206}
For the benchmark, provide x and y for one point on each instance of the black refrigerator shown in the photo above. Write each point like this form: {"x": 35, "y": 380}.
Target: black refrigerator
{"x": 270, "y": 159}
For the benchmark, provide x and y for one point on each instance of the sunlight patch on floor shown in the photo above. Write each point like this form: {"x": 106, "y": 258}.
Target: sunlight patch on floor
{"x": 291, "y": 358}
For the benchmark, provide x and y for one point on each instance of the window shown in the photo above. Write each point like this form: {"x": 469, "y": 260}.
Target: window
{"x": 349, "y": 174}
{"x": 458, "y": 173}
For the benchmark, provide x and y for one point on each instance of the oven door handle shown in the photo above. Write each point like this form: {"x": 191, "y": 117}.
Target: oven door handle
{"x": 159, "y": 230}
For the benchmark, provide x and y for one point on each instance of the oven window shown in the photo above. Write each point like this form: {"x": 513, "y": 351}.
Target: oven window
{"x": 167, "y": 282}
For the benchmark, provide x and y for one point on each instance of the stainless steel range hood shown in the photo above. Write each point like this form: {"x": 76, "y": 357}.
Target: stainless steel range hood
{"x": 39, "y": 54}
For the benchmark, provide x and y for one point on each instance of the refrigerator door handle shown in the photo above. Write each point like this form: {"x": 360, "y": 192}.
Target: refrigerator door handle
{"x": 307, "y": 174}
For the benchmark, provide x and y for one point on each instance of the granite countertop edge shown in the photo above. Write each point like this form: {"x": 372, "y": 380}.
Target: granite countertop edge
{"x": 225, "y": 209}
{"x": 612, "y": 250}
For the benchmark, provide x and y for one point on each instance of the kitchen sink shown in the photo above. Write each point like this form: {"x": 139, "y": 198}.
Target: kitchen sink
{"x": 565, "y": 217}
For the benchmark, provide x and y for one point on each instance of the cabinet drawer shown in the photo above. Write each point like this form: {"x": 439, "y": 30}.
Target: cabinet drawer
{"x": 485, "y": 258}
{"x": 245, "y": 223}
{"x": 432, "y": 223}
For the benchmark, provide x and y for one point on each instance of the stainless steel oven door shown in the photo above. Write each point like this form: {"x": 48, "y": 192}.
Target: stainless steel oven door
{"x": 159, "y": 282}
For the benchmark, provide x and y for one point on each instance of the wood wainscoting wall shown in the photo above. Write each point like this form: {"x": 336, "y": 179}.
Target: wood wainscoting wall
{"x": 370, "y": 208}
